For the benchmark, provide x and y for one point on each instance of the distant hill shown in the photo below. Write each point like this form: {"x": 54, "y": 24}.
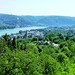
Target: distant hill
{"x": 57, "y": 21}
{"x": 13, "y": 21}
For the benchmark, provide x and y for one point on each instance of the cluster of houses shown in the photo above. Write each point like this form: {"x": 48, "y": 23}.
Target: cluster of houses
{"x": 60, "y": 28}
{"x": 34, "y": 33}
{"x": 27, "y": 34}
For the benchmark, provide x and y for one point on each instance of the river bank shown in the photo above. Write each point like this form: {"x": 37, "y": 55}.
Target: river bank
{"x": 16, "y": 30}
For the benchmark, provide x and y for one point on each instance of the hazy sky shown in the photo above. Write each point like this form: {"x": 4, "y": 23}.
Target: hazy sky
{"x": 38, "y": 7}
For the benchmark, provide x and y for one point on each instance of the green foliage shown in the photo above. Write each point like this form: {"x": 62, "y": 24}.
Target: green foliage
{"x": 6, "y": 37}
{"x": 61, "y": 36}
{"x": 73, "y": 49}
{"x": 40, "y": 38}
{"x": 63, "y": 44}
{"x": 62, "y": 58}
{"x": 35, "y": 39}
{"x": 67, "y": 38}
{"x": 3, "y": 45}
{"x": 66, "y": 51}
{"x": 14, "y": 43}
{"x": 5, "y": 26}
{"x": 29, "y": 57}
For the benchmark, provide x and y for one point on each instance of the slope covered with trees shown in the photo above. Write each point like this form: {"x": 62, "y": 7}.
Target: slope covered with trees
{"x": 30, "y": 57}
{"x": 12, "y": 21}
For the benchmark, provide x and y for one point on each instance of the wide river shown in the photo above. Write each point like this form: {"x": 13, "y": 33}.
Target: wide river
{"x": 16, "y": 30}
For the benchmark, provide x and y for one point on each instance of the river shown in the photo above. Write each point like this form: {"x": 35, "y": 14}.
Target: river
{"x": 16, "y": 30}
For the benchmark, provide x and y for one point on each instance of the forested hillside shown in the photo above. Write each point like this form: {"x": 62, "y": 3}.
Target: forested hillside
{"x": 27, "y": 56}
{"x": 12, "y": 21}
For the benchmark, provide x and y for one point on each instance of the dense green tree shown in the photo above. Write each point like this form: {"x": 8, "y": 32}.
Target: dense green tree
{"x": 61, "y": 36}
{"x": 66, "y": 51}
{"x": 62, "y": 58}
{"x": 27, "y": 57}
{"x": 72, "y": 48}
{"x": 34, "y": 39}
{"x": 67, "y": 38}
{"x": 3, "y": 44}
{"x": 14, "y": 43}
{"x": 40, "y": 38}
{"x": 6, "y": 37}
{"x": 63, "y": 44}
{"x": 20, "y": 31}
